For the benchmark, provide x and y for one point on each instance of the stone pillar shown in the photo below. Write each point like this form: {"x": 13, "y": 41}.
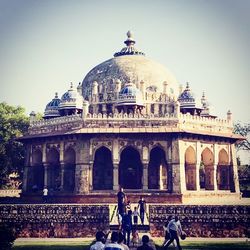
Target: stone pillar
{"x": 145, "y": 176}
{"x": 160, "y": 178}
{"x": 46, "y": 175}
{"x": 115, "y": 176}
{"x": 216, "y": 157}
{"x": 235, "y": 178}
{"x": 178, "y": 168}
{"x": 62, "y": 165}
{"x": 82, "y": 179}
{"x": 198, "y": 163}
{"x": 25, "y": 178}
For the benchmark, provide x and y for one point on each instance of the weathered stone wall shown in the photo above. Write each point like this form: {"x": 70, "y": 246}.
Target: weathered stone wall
{"x": 203, "y": 221}
{"x": 55, "y": 220}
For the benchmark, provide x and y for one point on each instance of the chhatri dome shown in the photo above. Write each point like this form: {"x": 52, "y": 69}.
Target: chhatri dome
{"x": 130, "y": 65}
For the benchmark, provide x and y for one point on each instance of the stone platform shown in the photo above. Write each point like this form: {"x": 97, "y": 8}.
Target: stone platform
{"x": 104, "y": 198}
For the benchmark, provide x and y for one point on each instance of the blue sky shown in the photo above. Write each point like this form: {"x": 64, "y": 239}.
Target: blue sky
{"x": 47, "y": 44}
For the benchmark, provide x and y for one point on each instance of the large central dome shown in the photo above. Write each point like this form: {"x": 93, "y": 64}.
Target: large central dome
{"x": 130, "y": 65}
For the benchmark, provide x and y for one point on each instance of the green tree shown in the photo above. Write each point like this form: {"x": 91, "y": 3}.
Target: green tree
{"x": 244, "y": 130}
{"x": 13, "y": 123}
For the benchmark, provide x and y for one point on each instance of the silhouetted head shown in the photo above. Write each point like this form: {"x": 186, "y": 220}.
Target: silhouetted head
{"x": 145, "y": 239}
{"x": 114, "y": 236}
{"x": 121, "y": 237}
{"x": 99, "y": 236}
{"x": 176, "y": 218}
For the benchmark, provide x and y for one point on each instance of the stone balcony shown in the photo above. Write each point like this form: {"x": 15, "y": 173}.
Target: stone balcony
{"x": 132, "y": 123}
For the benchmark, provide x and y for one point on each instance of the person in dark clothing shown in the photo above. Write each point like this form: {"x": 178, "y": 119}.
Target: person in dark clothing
{"x": 121, "y": 197}
{"x": 142, "y": 208}
{"x": 127, "y": 226}
{"x": 145, "y": 246}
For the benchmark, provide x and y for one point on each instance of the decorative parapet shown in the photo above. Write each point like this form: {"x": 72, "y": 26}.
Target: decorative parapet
{"x": 206, "y": 124}
{"x": 167, "y": 123}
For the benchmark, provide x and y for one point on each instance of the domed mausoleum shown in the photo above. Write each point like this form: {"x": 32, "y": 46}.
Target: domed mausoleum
{"x": 130, "y": 124}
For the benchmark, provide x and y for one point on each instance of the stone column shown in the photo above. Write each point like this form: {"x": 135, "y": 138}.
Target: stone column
{"x": 216, "y": 156}
{"x": 115, "y": 176}
{"x": 145, "y": 176}
{"x": 25, "y": 178}
{"x": 82, "y": 179}
{"x": 62, "y": 165}
{"x": 235, "y": 178}
{"x": 198, "y": 163}
{"x": 46, "y": 170}
{"x": 178, "y": 168}
{"x": 160, "y": 178}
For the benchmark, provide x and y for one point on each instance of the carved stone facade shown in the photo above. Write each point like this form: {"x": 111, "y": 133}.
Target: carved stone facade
{"x": 126, "y": 124}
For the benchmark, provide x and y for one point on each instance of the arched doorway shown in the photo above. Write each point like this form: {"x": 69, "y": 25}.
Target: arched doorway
{"x": 130, "y": 169}
{"x": 157, "y": 170}
{"x": 207, "y": 170}
{"x": 36, "y": 172}
{"x": 54, "y": 180}
{"x": 190, "y": 168}
{"x": 103, "y": 170}
{"x": 223, "y": 171}
{"x": 69, "y": 171}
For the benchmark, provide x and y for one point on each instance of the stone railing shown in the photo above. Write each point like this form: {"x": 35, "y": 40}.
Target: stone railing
{"x": 10, "y": 192}
{"x": 207, "y": 124}
{"x": 119, "y": 120}
{"x": 47, "y": 220}
{"x": 203, "y": 221}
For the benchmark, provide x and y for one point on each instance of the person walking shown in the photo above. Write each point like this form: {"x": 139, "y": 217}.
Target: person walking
{"x": 121, "y": 198}
{"x": 175, "y": 229}
{"x": 127, "y": 226}
{"x": 142, "y": 208}
{"x": 45, "y": 194}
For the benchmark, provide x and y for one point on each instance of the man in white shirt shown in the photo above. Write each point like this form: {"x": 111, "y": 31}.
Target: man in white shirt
{"x": 100, "y": 237}
{"x": 174, "y": 228}
{"x": 114, "y": 245}
{"x": 45, "y": 195}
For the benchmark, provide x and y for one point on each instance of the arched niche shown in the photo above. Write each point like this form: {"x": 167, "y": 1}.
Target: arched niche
{"x": 103, "y": 169}
{"x": 157, "y": 169}
{"x": 207, "y": 170}
{"x": 69, "y": 170}
{"x": 190, "y": 168}
{"x": 36, "y": 172}
{"x": 54, "y": 180}
{"x": 130, "y": 169}
{"x": 224, "y": 173}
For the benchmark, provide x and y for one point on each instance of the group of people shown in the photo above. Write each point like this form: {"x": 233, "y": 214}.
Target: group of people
{"x": 117, "y": 242}
{"x": 128, "y": 219}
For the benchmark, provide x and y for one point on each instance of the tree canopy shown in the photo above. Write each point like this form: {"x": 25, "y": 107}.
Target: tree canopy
{"x": 244, "y": 130}
{"x": 13, "y": 123}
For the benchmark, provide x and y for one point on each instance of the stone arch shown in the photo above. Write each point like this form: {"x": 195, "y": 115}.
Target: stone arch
{"x": 190, "y": 168}
{"x": 130, "y": 168}
{"x": 103, "y": 169}
{"x": 223, "y": 171}
{"x": 207, "y": 169}
{"x": 53, "y": 176}
{"x": 69, "y": 169}
{"x": 36, "y": 172}
{"x": 157, "y": 169}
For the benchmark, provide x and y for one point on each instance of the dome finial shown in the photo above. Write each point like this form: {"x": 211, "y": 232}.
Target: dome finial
{"x": 129, "y": 34}
{"x": 71, "y": 85}
{"x": 130, "y": 40}
{"x": 56, "y": 95}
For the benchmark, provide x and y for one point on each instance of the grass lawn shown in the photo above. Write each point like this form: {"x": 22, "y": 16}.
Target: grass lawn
{"x": 71, "y": 245}
{"x": 52, "y": 245}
